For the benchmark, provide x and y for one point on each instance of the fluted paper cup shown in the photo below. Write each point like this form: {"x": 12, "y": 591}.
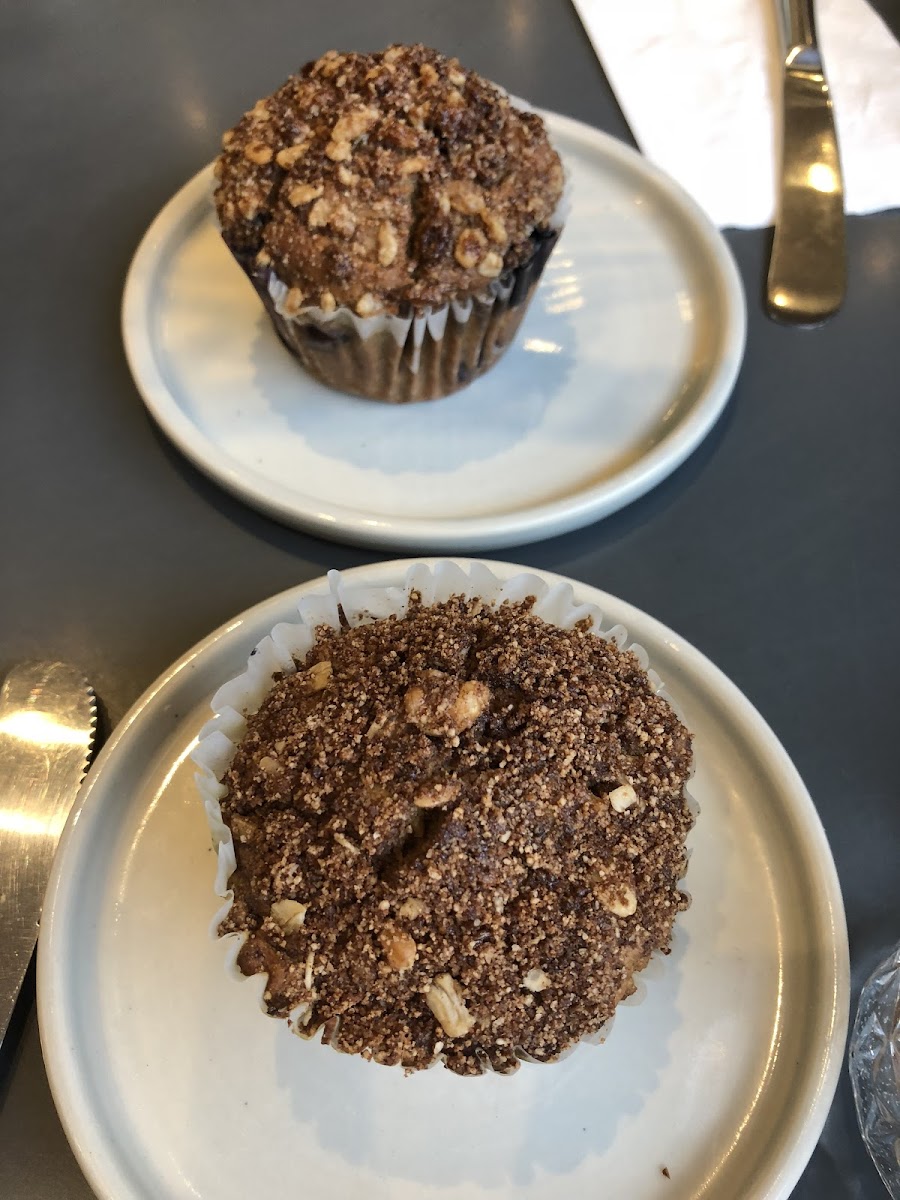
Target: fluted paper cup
{"x": 344, "y": 605}
{"x": 422, "y": 355}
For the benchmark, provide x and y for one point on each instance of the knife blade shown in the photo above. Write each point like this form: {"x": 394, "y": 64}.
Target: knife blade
{"x": 807, "y": 270}
{"x": 47, "y": 722}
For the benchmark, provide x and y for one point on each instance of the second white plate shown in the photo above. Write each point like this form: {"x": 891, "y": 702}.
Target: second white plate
{"x": 171, "y": 1082}
{"x": 624, "y": 362}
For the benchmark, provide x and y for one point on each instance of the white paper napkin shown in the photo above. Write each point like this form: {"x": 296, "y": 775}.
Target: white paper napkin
{"x": 699, "y": 82}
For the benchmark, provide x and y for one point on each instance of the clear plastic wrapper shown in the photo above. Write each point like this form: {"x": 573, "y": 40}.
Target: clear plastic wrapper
{"x": 875, "y": 1069}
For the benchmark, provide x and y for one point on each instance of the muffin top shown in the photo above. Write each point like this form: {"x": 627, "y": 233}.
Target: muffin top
{"x": 457, "y": 834}
{"x": 385, "y": 181}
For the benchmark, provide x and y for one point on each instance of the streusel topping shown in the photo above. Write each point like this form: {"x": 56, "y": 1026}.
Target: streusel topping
{"x": 386, "y": 181}
{"x": 458, "y": 833}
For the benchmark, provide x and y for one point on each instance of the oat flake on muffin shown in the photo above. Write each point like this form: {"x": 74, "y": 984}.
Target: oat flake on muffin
{"x": 458, "y": 834}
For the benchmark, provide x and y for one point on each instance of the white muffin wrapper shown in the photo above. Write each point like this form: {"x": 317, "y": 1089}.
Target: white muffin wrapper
{"x": 288, "y": 645}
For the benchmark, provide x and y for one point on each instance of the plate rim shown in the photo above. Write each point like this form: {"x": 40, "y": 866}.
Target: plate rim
{"x": 494, "y": 531}
{"x": 58, "y": 1045}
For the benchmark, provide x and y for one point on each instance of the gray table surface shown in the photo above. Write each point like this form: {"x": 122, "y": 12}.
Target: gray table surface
{"x": 773, "y": 549}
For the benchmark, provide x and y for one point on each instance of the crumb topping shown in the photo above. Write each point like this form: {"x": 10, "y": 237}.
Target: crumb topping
{"x": 458, "y": 833}
{"x": 386, "y": 181}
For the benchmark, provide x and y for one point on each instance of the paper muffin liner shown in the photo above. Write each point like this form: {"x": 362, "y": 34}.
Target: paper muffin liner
{"x": 287, "y": 645}
{"x": 420, "y": 356}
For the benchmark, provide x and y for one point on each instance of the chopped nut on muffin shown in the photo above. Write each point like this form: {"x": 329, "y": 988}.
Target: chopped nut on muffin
{"x": 389, "y": 185}
{"x": 458, "y": 835}
{"x": 387, "y": 180}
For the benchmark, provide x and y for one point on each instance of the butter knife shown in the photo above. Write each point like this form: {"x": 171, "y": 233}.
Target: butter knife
{"x": 807, "y": 271}
{"x": 47, "y": 722}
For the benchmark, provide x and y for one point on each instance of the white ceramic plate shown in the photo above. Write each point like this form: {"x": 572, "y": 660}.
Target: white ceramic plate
{"x": 171, "y": 1082}
{"x": 624, "y": 362}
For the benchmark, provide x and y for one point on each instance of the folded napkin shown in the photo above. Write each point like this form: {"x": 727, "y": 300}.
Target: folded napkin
{"x": 699, "y": 82}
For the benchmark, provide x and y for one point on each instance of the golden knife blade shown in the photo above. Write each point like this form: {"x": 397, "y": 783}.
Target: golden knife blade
{"x": 47, "y": 722}
{"x": 807, "y": 271}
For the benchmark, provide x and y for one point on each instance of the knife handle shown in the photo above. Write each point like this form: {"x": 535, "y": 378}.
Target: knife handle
{"x": 807, "y": 270}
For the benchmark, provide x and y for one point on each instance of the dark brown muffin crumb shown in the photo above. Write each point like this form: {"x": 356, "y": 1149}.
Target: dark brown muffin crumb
{"x": 458, "y": 833}
{"x": 386, "y": 181}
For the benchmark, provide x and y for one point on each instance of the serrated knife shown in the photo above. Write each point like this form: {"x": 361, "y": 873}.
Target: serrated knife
{"x": 47, "y": 723}
{"x": 807, "y": 270}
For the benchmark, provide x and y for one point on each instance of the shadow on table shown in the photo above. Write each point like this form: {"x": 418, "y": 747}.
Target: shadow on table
{"x": 9, "y": 1050}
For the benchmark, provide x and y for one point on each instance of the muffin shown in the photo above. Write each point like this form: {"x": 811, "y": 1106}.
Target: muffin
{"x": 394, "y": 212}
{"x": 458, "y": 831}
